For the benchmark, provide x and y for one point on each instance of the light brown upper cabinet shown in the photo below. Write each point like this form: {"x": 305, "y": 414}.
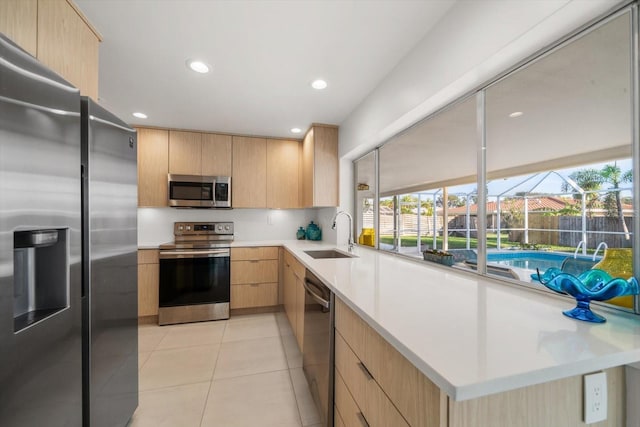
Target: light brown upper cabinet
{"x": 19, "y": 22}
{"x": 320, "y": 167}
{"x": 195, "y": 153}
{"x": 185, "y": 153}
{"x": 59, "y": 35}
{"x": 153, "y": 153}
{"x": 249, "y": 179}
{"x": 282, "y": 174}
{"x": 68, "y": 45}
{"x": 216, "y": 154}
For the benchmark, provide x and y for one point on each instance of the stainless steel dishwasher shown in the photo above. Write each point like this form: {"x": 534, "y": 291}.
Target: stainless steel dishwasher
{"x": 317, "y": 354}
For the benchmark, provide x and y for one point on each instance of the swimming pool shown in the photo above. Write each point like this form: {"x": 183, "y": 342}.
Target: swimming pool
{"x": 530, "y": 260}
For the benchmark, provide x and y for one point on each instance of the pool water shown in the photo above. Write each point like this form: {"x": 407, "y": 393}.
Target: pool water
{"x": 529, "y": 260}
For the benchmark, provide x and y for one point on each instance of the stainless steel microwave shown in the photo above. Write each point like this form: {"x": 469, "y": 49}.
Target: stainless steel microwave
{"x": 194, "y": 191}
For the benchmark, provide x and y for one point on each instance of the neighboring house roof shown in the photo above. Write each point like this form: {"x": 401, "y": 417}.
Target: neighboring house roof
{"x": 537, "y": 204}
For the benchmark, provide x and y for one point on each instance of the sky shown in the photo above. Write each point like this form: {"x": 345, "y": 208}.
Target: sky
{"x": 551, "y": 184}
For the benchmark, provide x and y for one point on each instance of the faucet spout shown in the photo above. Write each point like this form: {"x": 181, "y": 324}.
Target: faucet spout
{"x": 348, "y": 215}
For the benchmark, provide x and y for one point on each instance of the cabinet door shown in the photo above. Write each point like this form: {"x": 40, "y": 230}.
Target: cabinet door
{"x": 67, "y": 45}
{"x": 148, "y": 279}
{"x": 255, "y": 271}
{"x": 282, "y": 174}
{"x": 289, "y": 289}
{"x": 307, "y": 170}
{"x": 216, "y": 155}
{"x": 300, "y": 302}
{"x": 19, "y": 22}
{"x": 254, "y": 295}
{"x": 325, "y": 170}
{"x": 185, "y": 153}
{"x": 249, "y": 177}
{"x": 153, "y": 160}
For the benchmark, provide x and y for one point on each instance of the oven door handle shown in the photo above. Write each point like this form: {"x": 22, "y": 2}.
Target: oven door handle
{"x": 308, "y": 285}
{"x": 214, "y": 253}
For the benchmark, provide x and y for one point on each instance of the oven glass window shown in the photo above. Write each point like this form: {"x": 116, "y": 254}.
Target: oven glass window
{"x": 222, "y": 191}
{"x": 191, "y": 191}
{"x": 187, "y": 281}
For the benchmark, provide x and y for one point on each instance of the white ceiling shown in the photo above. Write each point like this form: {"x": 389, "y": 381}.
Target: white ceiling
{"x": 264, "y": 53}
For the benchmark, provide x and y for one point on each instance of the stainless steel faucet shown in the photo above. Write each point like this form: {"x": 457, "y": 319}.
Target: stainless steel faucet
{"x": 333, "y": 227}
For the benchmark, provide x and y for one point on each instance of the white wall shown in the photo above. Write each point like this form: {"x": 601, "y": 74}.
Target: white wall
{"x": 155, "y": 225}
{"x": 473, "y": 43}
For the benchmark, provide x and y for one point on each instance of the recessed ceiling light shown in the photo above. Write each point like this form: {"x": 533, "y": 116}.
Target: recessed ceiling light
{"x": 197, "y": 66}
{"x": 296, "y": 130}
{"x": 319, "y": 84}
{"x": 516, "y": 114}
{"x": 140, "y": 115}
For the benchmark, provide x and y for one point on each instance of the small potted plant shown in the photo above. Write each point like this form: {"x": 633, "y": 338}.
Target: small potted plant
{"x": 441, "y": 257}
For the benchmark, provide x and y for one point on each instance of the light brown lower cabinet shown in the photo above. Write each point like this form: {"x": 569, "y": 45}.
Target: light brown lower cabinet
{"x": 294, "y": 295}
{"x": 374, "y": 382}
{"x": 148, "y": 280}
{"x": 254, "y": 277}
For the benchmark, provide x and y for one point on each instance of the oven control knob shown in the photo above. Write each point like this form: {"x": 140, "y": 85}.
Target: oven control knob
{"x": 227, "y": 228}
{"x": 181, "y": 228}
{"x": 219, "y": 228}
{"x": 188, "y": 228}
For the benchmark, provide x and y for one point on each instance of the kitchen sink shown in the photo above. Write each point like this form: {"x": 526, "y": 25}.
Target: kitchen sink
{"x": 329, "y": 253}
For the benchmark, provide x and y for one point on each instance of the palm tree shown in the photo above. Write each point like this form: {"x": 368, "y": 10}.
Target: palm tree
{"x": 588, "y": 180}
{"x": 612, "y": 175}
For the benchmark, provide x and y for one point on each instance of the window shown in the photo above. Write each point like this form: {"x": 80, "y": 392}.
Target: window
{"x": 559, "y": 167}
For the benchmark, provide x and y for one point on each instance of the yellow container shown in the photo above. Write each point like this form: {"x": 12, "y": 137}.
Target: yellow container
{"x": 618, "y": 263}
{"x": 367, "y": 237}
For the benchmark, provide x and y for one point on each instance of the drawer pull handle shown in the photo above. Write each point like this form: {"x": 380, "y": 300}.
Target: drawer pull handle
{"x": 362, "y": 419}
{"x": 254, "y": 284}
{"x": 365, "y": 370}
{"x": 253, "y": 261}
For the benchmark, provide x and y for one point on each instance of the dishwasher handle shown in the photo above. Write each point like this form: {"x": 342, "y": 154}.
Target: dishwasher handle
{"x": 309, "y": 285}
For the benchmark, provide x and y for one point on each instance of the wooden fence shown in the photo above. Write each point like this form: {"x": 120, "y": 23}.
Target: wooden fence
{"x": 567, "y": 231}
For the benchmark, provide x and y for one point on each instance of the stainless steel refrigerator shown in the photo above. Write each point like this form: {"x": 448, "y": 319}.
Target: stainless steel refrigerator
{"x": 110, "y": 267}
{"x": 68, "y": 275}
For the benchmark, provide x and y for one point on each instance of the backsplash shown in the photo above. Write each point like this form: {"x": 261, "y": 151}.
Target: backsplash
{"x": 155, "y": 225}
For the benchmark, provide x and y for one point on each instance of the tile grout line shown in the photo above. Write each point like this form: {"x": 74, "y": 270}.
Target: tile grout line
{"x": 215, "y": 365}
{"x": 295, "y": 395}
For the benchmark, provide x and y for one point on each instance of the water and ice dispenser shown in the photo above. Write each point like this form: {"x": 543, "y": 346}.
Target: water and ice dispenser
{"x": 41, "y": 275}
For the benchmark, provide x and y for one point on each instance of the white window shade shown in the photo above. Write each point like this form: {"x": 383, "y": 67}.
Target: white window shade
{"x": 439, "y": 151}
{"x": 575, "y": 104}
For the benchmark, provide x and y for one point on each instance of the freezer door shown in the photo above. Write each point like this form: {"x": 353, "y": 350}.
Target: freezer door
{"x": 40, "y": 245}
{"x": 110, "y": 201}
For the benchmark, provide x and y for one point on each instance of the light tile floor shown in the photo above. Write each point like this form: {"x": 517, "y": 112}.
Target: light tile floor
{"x": 245, "y": 371}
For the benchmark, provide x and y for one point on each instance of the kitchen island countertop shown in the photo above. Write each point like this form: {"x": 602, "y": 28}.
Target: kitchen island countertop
{"x": 470, "y": 335}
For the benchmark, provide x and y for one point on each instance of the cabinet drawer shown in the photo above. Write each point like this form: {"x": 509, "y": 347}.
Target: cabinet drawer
{"x": 395, "y": 374}
{"x": 296, "y": 266}
{"x": 148, "y": 256}
{"x": 352, "y": 371}
{"x": 254, "y": 295}
{"x": 418, "y": 399}
{"x": 352, "y": 328}
{"x": 248, "y": 254}
{"x": 337, "y": 418}
{"x": 346, "y": 409}
{"x": 256, "y": 271}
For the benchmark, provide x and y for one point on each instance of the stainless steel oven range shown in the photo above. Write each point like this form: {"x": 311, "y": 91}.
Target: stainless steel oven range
{"x": 195, "y": 270}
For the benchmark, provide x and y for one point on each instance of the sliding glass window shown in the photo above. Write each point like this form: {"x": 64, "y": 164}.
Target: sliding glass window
{"x": 560, "y": 168}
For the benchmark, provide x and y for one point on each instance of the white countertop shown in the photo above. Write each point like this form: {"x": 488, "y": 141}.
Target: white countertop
{"x": 471, "y": 336}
